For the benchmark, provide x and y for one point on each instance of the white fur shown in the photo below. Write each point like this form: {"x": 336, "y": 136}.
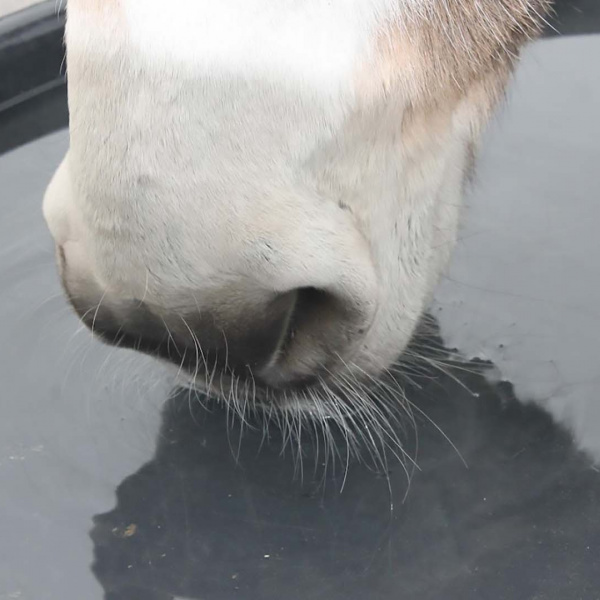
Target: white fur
{"x": 312, "y": 42}
{"x": 213, "y": 142}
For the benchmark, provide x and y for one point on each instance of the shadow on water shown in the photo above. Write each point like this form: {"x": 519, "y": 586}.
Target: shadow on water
{"x": 196, "y": 523}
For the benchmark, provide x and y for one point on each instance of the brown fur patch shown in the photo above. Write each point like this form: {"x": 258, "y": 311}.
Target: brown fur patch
{"x": 446, "y": 58}
{"x": 436, "y": 53}
{"x": 460, "y": 42}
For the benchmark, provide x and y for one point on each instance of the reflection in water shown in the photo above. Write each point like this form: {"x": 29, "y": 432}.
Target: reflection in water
{"x": 195, "y": 523}
{"x": 523, "y": 289}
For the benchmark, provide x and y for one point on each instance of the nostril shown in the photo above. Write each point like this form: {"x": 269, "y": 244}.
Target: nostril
{"x": 311, "y": 304}
{"x": 321, "y": 330}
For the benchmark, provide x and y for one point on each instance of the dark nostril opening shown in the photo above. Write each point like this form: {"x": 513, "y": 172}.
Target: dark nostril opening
{"x": 316, "y": 335}
{"x": 311, "y": 303}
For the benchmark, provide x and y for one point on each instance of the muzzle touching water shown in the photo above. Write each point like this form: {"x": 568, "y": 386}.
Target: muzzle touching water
{"x": 267, "y": 205}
